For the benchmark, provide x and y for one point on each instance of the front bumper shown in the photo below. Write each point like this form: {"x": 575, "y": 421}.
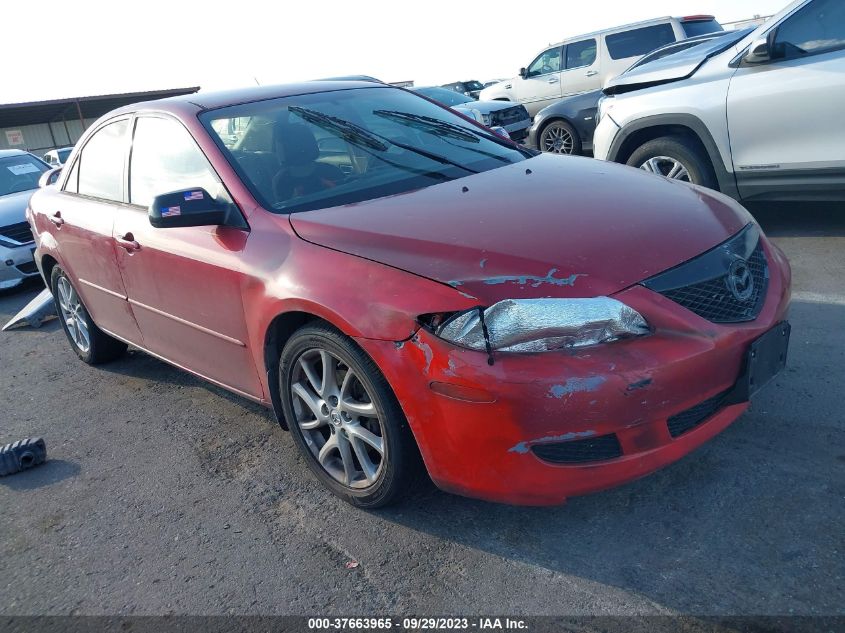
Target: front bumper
{"x": 603, "y": 137}
{"x": 629, "y": 389}
{"x": 16, "y": 265}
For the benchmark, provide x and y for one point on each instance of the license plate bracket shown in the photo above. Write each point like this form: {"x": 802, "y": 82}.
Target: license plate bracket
{"x": 766, "y": 357}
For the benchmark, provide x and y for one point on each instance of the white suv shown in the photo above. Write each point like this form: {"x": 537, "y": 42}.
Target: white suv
{"x": 760, "y": 118}
{"x": 586, "y": 62}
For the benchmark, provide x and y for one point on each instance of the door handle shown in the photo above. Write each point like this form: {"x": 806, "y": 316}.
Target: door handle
{"x": 592, "y": 73}
{"x": 553, "y": 80}
{"x": 128, "y": 243}
{"x": 56, "y": 218}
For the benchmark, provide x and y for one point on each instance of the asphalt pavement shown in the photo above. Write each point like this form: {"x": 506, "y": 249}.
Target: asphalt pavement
{"x": 166, "y": 495}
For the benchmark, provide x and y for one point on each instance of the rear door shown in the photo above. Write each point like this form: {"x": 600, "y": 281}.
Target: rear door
{"x": 626, "y": 47}
{"x": 541, "y": 84}
{"x": 581, "y": 67}
{"x": 184, "y": 284}
{"x": 81, "y": 224}
{"x": 785, "y": 116}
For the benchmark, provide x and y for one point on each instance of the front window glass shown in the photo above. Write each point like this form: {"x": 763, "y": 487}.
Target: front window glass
{"x": 547, "y": 62}
{"x": 63, "y": 154}
{"x": 579, "y": 54}
{"x": 101, "y": 163}
{"x": 473, "y": 85}
{"x": 445, "y": 96}
{"x": 638, "y": 42}
{"x": 20, "y": 173}
{"x": 335, "y": 148}
{"x": 817, "y": 28}
{"x": 165, "y": 158}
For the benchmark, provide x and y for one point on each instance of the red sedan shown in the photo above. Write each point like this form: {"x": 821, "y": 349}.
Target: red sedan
{"x": 407, "y": 290}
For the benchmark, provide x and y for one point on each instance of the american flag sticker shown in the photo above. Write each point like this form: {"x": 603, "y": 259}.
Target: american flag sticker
{"x": 194, "y": 195}
{"x": 169, "y": 212}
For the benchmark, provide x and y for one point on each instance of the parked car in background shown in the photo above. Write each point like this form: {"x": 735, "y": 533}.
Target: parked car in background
{"x": 512, "y": 117}
{"x": 19, "y": 175}
{"x": 57, "y": 157}
{"x": 450, "y": 302}
{"x": 759, "y": 118}
{"x": 469, "y": 88}
{"x": 567, "y": 126}
{"x": 585, "y": 62}
{"x": 492, "y": 82}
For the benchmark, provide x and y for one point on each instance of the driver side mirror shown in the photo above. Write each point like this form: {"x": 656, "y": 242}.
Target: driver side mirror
{"x": 50, "y": 177}
{"x": 760, "y": 50}
{"x": 523, "y": 73}
{"x": 189, "y": 207}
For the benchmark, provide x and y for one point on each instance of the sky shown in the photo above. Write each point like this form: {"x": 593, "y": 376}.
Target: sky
{"x": 89, "y": 47}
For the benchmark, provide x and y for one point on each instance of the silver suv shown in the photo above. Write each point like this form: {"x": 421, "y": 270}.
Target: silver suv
{"x": 758, "y": 119}
{"x": 585, "y": 62}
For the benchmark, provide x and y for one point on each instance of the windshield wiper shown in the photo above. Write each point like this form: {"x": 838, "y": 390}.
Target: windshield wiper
{"x": 430, "y": 124}
{"x": 359, "y": 136}
{"x": 346, "y": 130}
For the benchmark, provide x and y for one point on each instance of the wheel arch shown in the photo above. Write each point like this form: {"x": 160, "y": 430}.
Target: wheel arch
{"x": 688, "y": 126}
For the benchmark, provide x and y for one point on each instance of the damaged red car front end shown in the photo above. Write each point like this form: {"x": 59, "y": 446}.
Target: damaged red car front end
{"x": 536, "y": 428}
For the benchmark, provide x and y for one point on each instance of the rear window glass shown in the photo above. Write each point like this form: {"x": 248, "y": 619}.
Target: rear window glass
{"x": 701, "y": 27}
{"x": 638, "y": 42}
{"x": 20, "y": 173}
{"x": 580, "y": 54}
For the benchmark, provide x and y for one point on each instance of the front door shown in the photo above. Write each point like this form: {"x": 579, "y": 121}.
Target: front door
{"x": 82, "y": 225}
{"x": 541, "y": 84}
{"x": 184, "y": 284}
{"x": 785, "y": 115}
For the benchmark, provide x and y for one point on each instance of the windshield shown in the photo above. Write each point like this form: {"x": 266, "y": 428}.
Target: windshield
{"x": 445, "y": 96}
{"x": 334, "y": 148}
{"x": 473, "y": 85}
{"x": 700, "y": 27}
{"x": 20, "y": 173}
{"x": 63, "y": 154}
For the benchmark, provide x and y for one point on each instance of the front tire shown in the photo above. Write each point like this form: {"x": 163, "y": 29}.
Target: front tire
{"x": 559, "y": 137}
{"x": 90, "y": 343}
{"x": 676, "y": 158}
{"x": 345, "y": 419}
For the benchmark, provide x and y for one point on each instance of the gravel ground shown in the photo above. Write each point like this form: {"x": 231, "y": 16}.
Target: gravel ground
{"x": 164, "y": 494}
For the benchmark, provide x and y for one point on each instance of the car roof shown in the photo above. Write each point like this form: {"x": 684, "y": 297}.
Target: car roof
{"x": 632, "y": 25}
{"x": 212, "y": 100}
{"x": 11, "y": 152}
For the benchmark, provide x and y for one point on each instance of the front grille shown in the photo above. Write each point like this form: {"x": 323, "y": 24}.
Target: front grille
{"x": 592, "y": 449}
{"x": 687, "y": 420}
{"x": 703, "y": 285}
{"x": 19, "y": 232}
{"x": 508, "y": 115}
{"x": 27, "y": 268}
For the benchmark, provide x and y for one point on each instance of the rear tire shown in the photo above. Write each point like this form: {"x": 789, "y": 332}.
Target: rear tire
{"x": 346, "y": 421}
{"x": 663, "y": 156}
{"x": 90, "y": 343}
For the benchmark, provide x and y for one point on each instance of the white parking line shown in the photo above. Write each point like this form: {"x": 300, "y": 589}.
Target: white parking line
{"x": 815, "y": 297}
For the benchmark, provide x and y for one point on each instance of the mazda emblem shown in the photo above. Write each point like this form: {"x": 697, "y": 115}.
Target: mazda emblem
{"x": 740, "y": 281}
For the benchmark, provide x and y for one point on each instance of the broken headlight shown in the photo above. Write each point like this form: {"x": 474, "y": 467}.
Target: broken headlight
{"x": 539, "y": 325}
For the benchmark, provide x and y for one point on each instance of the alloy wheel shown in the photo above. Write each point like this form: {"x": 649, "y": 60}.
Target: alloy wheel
{"x": 338, "y": 418}
{"x": 668, "y": 167}
{"x": 557, "y": 140}
{"x": 73, "y": 313}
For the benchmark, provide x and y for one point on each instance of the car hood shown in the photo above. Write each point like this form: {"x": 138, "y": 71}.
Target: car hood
{"x": 673, "y": 67}
{"x": 549, "y": 226}
{"x": 486, "y": 107}
{"x": 13, "y": 207}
